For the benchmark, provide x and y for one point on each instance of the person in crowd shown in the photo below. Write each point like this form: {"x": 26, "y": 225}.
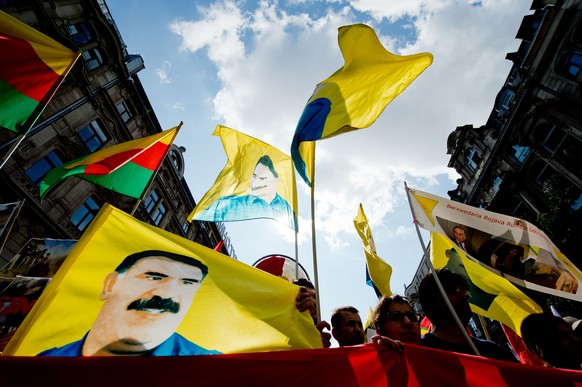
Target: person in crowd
{"x": 446, "y": 333}
{"x": 306, "y": 300}
{"x": 347, "y": 326}
{"x": 396, "y": 323}
{"x": 552, "y": 340}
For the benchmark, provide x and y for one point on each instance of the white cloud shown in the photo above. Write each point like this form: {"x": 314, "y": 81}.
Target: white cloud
{"x": 162, "y": 73}
{"x": 269, "y": 61}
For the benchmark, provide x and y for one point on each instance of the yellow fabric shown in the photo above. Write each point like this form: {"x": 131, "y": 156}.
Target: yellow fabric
{"x": 379, "y": 271}
{"x": 509, "y": 306}
{"x": 242, "y": 153}
{"x": 237, "y": 309}
{"x": 54, "y": 54}
{"x": 360, "y": 90}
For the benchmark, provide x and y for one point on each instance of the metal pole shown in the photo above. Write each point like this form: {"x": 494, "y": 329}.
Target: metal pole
{"x": 462, "y": 327}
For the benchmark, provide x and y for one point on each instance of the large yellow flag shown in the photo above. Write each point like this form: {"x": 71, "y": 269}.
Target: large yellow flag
{"x": 355, "y": 95}
{"x": 257, "y": 181}
{"x": 378, "y": 270}
{"x": 130, "y": 288}
{"x": 491, "y": 295}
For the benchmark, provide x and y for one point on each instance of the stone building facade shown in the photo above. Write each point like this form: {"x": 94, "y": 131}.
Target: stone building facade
{"x": 101, "y": 103}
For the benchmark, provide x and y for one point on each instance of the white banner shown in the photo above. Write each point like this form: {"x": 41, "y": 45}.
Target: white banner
{"x": 510, "y": 247}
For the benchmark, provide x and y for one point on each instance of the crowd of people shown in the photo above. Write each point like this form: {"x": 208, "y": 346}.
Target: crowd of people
{"x": 549, "y": 337}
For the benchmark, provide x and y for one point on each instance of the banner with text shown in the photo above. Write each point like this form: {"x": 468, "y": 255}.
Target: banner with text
{"x": 507, "y": 246}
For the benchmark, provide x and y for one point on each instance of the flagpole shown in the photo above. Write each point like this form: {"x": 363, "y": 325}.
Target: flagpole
{"x": 296, "y": 256}
{"x": 313, "y": 243}
{"x": 139, "y": 200}
{"x": 425, "y": 250}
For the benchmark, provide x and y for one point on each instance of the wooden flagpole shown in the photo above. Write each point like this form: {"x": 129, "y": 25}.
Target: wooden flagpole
{"x": 426, "y": 251}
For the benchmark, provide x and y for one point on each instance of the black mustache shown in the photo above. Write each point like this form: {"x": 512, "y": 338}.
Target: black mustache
{"x": 156, "y": 302}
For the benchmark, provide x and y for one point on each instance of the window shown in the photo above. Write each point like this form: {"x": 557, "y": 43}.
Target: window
{"x": 521, "y": 153}
{"x": 473, "y": 158}
{"x": 93, "y": 58}
{"x": 186, "y": 226}
{"x": 158, "y": 214}
{"x": 151, "y": 201}
{"x": 80, "y": 33}
{"x": 155, "y": 207}
{"x": 549, "y": 137}
{"x": 39, "y": 169}
{"x": 93, "y": 136}
{"x": 123, "y": 111}
{"x": 570, "y": 64}
{"x": 540, "y": 172}
{"x": 504, "y": 102}
{"x": 85, "y": 214}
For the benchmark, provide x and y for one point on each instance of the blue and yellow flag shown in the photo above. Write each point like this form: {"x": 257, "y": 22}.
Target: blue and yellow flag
{"x": 257, "y": 181}
{"x": 355, "y": 95}
{"x": 131, "y": 288}
{"x": 378, "y": 270}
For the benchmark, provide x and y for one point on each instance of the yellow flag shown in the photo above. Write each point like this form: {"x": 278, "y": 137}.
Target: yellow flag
{"x": 355, "y": 95}
{"x": 491, "y": 295}
{"x": 258, "y": 181}
{"x": 130, "y": 288}
{"x": 379, "y": 271}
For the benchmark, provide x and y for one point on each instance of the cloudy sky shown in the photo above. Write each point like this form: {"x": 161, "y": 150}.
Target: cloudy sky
{"x": 252, "y": 65}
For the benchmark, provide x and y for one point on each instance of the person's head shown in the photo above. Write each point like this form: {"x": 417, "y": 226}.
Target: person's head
{"x": 434, "y": 306}
{"x": 553, "y": 340}
{"x": 146, "y": 299}
{"x": 264, "y": 179}
{"x": 395, "y": 318}
{"x": 507, "y": 257}
{"x": 459, "y": 234}
{"x": 347, "y": 326}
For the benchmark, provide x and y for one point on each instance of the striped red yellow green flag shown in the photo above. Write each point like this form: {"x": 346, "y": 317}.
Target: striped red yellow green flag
{"x": 31, "y": 70}
{"x": 126, "y": 168}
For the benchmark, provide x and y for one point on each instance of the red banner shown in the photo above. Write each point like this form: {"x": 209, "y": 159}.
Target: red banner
{"x": 349, "y": 366}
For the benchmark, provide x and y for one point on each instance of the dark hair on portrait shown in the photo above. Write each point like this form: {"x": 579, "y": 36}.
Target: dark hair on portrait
{"x": 384, "y": 306}
{"x": 429, "y": 294}
{"x": 267, "y": 162}
{"x": 131, "y": 260}
{"x": 336, "y": 316}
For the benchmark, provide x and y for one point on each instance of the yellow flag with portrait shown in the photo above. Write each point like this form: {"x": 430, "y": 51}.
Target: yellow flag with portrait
{"x": 258, "y": 181}
{"x": 235, "y": 308}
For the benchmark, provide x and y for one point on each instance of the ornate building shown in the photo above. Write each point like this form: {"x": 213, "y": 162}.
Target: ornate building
{"x": 526, "y": 161}
{"x": 101, "y": 103}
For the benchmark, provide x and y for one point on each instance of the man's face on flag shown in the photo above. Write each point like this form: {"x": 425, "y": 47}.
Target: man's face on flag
{"x": 459, "y": 234}
{"x": 145, "y": 304}
{"x": 263, "y": 183}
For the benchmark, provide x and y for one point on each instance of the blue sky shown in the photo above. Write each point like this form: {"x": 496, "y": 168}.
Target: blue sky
{"x": 252, "y": 65}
